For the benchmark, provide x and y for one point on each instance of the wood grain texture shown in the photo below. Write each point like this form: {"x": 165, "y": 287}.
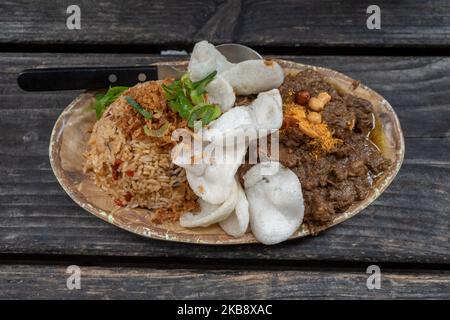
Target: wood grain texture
{"x": 49, "y": 282}
{"x": 166, "y": 23}
{"x": 408, "y": 223}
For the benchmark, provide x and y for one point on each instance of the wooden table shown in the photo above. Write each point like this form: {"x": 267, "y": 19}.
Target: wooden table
{"x": 406, "y": 232}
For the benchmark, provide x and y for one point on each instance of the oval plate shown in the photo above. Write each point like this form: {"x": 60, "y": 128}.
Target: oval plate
{"x": 69, "y": 141}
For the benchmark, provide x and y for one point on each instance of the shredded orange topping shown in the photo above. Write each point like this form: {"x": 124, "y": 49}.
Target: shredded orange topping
{"x": 151, "y": 97}
{"x": 322, "y": 139}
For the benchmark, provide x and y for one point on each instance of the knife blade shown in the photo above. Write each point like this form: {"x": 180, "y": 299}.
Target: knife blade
{"x": 78, "y": 78}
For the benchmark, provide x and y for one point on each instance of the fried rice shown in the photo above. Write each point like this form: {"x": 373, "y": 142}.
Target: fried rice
{"x": 135, "y": 169}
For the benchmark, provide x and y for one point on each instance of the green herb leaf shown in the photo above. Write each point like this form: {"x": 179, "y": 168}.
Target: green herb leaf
{"x": 197, "y": 97}
{"x": 158, "y": 132}
{"x": 204, "y": 112}
{"x": 211, "y": 114}
{"x": 102, "y": 101}
{"x": 172, "y": 90}
{"x": 186, "y": 81}
{"x": 188, "y": 99}
{"x": 200, "y": 85}
{"x": 185, "y": 106}
{"x": 136, "y": 106}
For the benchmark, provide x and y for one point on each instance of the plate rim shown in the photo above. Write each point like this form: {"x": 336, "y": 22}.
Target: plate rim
{"x": 172, "y": 236}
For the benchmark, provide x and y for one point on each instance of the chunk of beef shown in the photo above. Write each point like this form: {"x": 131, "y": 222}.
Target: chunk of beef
{"x": 342, "y": 195}
{"x": 362, "y": 108}
{"x": 288, "y": 157}
{"x": 320, "y": 210}
{"x": 339, "y": 119}
{"x": 308, "y": 80}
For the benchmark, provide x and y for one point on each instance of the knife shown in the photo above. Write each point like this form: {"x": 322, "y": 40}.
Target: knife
{"x": 48, "y": 79}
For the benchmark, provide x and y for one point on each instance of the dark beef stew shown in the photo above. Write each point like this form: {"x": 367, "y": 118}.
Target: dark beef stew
{"x": 343, "y": 172}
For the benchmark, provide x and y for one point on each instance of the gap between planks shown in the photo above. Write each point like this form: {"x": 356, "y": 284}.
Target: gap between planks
{"x": 410, "y": 51}
{"x": 213, "y": 263}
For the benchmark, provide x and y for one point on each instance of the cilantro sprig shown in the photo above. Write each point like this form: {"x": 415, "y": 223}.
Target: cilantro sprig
{"x": 102, "y": 101}
{"x": 189, "y": 99}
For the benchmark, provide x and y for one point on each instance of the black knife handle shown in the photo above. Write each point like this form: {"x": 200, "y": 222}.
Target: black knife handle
{"x": 49, "y": 79}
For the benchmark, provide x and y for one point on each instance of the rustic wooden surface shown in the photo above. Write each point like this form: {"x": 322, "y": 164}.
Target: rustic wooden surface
{"x": 406, "y": 230}
{"x": 42, "y": 282}
{"x": 287, "y": 23}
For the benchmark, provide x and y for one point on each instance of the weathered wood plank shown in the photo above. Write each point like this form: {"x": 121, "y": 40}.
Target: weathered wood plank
{"x": 290, "y": 23}
{"x": 49, "y": 282}
{"x": 343, "y": 23}
{"x": 409, "y": 222}
{"x": 399, "y": 227}
{"x": 415, "y": 86}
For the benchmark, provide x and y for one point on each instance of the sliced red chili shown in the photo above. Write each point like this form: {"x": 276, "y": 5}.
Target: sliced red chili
{"x": 115, "y": 169}
{"x": 118, "y": 202}
{"x": 115, "y": 174}
{"x": 127, "y": 196}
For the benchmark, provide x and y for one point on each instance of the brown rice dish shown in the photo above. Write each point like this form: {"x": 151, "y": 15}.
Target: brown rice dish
{"x": 135, "y": 169}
